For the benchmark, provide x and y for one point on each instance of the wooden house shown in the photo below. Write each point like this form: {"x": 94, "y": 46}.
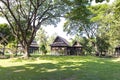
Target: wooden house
{"x": 75, "y": 49}
{"x": 33, "y": 47}
{"x": 61, "y": 46}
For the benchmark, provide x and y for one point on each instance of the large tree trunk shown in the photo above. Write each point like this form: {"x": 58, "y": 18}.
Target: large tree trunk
{"x": 16, "y": 51}
{"x": 95, "y": 48}
{"x": 26, "y": 54}
{"x": 97, "y": 53}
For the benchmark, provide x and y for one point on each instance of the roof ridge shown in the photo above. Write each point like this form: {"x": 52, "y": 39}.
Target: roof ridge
{"x": 64, "y": 40}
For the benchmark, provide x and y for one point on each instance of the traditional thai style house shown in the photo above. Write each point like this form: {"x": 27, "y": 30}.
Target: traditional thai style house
{"x": 75, "y": 49}
{"x": 61, "y": 46}
{"x": 33, "y": 47}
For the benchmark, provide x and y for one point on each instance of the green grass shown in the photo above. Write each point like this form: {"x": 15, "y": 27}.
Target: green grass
{"x": 60, "y": 68}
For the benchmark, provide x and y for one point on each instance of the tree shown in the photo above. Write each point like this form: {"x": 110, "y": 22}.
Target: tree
{"x": 115, "y": 26}
{"x": 102, "y": 18}
{"x": 50, "y": 40}
{"x": 108, "y": 18}
{"x": 78, "y": 20}
{"x": 43, "y": 49}
{"x": 28, "y": 16}
{"x": 41, "y": 36}
{"x": 102, "y": 44}
{"x": 42, "y": 39}
{"x": 5, "y": 35}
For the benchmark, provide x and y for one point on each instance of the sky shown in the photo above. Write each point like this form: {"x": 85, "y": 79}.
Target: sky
{"x": 2, "y": 20}
{"x": 51, "y": 30}
{"x": 56, "y": 30}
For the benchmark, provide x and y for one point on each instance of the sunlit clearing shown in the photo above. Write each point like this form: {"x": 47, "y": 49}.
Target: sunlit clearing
{"x": 116, "y": 60}
{"x": 21, "y": 70}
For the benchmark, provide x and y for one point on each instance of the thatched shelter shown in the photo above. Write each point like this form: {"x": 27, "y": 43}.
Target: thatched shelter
{"x": 75, "y": 49}
{"x": 61, "y": 46}
{"x": 33, "y": 47}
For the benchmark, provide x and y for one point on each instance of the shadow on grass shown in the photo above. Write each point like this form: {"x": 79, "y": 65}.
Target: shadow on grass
{"x": 66, "y": 70}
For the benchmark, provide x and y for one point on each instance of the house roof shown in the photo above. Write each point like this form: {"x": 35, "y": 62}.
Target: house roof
{"x": 60, "y": 42}
{"x": 76, "y": 44}
{"x": 33, "y": 44}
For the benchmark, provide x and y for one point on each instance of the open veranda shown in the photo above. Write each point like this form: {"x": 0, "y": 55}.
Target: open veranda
{"x": 46, "y": 67}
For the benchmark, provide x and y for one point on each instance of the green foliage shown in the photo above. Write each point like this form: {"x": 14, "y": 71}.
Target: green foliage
{"x": 43, "y": 49}
{"x": 6, "y": 33}
{"x": 78, "y": 19}
{"x": 107, "y": 17}
{"x": 96, "y": 22}
{"x": 117, "y": 9}
{"x": 102, "y": 44}
{"x": 99, "y": 12}
{"x": 41, "y": 36}
{"x": 87, "y": 47}
{"x": 4, "y": 29}
{"x": 114, "y": 28}
{"x": 43, "y": 39}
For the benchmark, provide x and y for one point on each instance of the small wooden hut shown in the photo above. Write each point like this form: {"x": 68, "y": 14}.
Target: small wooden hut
{"x": 75, "y": 49}
{"x": 33, "y": 47}
{"x": 61, "y": 46}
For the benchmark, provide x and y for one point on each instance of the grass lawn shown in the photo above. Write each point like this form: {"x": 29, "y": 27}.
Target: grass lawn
{"x": 60, "y": 68}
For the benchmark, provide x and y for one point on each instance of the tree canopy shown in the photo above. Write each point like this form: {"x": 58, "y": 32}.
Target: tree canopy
{"x": 5, "y": 34}
{"x": 25, "y": 17}
{"x": 98, "y": 23}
